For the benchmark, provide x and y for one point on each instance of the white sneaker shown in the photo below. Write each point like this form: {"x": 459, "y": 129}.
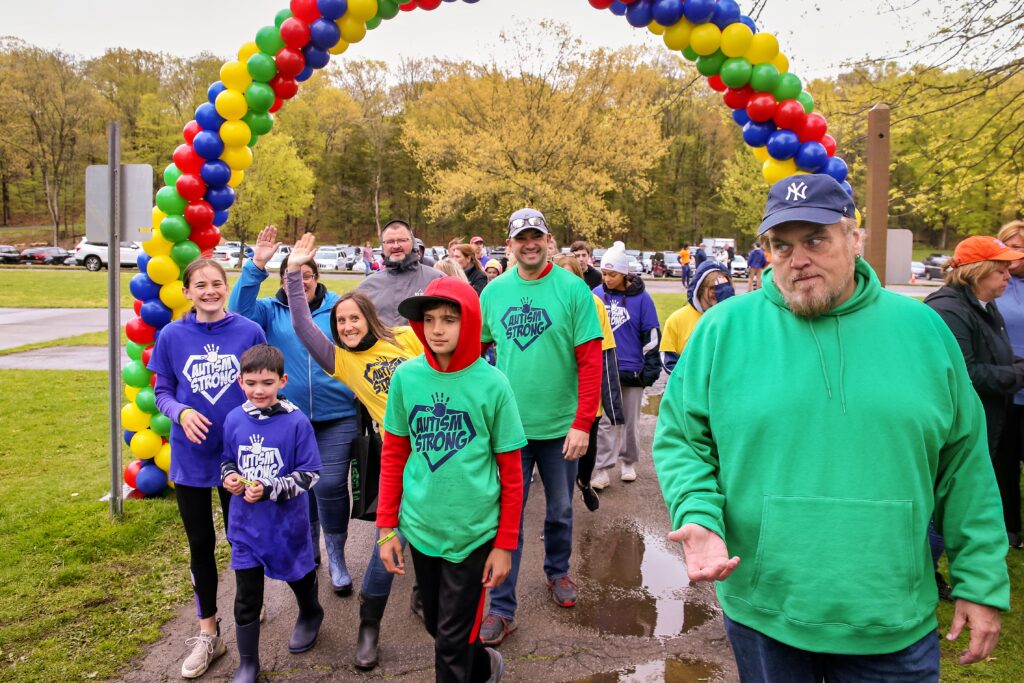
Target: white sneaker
{"x": 628, "y": 473}
{"x": 206, "y": 647}
{"x": 600, "y": 481}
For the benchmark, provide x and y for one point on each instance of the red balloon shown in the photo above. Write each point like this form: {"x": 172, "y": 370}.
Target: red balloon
{"x": 147, "y": 353}
{"x": 429, "y": 4}
{"x": 131, "y": 471}
{"x": 790, "y": 114}
{"x": 199, "y": 215}
{"x": 295, "y": 33}
{"x": 191, "y": 187}
{"x": 290, "y": 62}
{"x": 278, "y": 103}
{"x": 830, "y": 144}
{"x": 408, "y": 7}
{"x": 137, "y": 306}
{"x": 814, "y": 128}
{"x": 190, "y": 131}
{"x": 284, "y": 88}
{"x": 139, "y": 332}
{"x": 601, "y": 4}
{"x": 716, "y": 83}
{"x": 306, "y": 10}
{"x": 152, "y": 380}
{"x": 206, "y": 237}
{"x": 737, "y": 98}
{"x": 761, "y": 107}
{"x": 186, "y": 159}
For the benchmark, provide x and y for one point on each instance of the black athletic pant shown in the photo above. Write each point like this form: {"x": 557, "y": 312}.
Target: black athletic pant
{"x": 249, "y": 594}
{"x": 1006, "y": 463}
{"x": 195, "y": 507}
{"x": 586, "y": 467}
{"x": 452, "y": 607}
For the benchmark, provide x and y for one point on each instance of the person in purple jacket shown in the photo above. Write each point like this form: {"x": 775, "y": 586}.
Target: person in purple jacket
{"x": 634, "y": 322}
{"x": 756, "y": 262}
{"x": 196, "y": 361}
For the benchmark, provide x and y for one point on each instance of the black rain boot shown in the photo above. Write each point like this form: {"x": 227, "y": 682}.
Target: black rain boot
{"x": 311, "y": 615}
{"x": 371, "y": 611}
{"x": 248, "y": 643}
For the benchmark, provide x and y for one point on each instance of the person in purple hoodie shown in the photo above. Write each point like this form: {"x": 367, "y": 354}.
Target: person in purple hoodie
{"x": 634, "y": 321}
{"x": 196, "y": 361}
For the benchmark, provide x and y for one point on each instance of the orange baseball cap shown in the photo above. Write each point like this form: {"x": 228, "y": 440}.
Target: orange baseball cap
{"x": 982, "y": 248}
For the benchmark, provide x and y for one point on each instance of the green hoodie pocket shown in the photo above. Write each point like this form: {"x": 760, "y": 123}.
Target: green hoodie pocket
{"x": 837, "y": 561}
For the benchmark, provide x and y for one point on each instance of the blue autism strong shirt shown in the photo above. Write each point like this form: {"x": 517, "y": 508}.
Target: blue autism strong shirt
{"x": 200, "y": 363}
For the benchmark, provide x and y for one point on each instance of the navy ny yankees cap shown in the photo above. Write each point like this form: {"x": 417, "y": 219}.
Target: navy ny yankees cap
{"x": 812, "y": 198}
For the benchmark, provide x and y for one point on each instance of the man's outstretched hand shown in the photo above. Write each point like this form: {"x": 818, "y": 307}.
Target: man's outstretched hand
{"x": 706, "y": 556}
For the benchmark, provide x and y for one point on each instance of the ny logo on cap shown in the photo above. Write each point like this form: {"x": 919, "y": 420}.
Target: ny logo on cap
{"x": 796, "y": 191}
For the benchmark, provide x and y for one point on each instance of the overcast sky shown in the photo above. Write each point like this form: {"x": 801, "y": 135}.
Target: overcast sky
{"x": 818, "y": 36}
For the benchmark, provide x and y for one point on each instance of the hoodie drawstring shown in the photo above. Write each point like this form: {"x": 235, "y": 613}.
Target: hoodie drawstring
{"x": 821, "y": 359}
{"x": 842, "y": 362}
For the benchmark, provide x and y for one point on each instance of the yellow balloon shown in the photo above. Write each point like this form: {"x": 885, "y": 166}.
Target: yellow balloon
{"x": 340, "y": 47}
{"x": 761, "y": 154}
{"x": 238, "y": 158}
{"x": 180, "y": 313}
{"x": 133, "y": 419}
{"x": 774, "y": 170}
{"x": 781, "y": 62}
{"x": 236, "y": 178}
{"x": 247, "y": 50}
{"x": 131, "y": 392}
{"x": 172, "y": 296}
{"x": 352, "y": 30}
{"x": 362, "y": 10}
{"x": 146, "y": 444}
{"x": 231, "y": 105}
{"x": 235, "y": 133}
{"x": 163, "y": 458}
{"x": 656, "y": 28}
{"x": 705, "y": 39}
{"x": 860, "y": 217}
{"x": 170, "y": 483}
{"x": 158, "y": 216}
{"x": 736, "y": 39}
{"x": 156, "y": 245}
{"x": 677, "y": 36}
{"x": 764, "y": 47}
{"x": 162, "y": 270}
{"x": 235, "y": 75}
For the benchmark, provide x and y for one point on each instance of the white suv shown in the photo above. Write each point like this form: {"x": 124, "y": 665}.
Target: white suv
{"x": 93, "y": 255}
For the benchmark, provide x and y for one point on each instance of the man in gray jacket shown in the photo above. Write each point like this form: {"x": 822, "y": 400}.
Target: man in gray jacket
{"x": 403, "y": 275}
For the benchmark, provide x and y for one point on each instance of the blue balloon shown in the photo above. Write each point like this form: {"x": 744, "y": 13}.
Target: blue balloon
{"x": 150, "y": 480}
{"x": 304, "y": 74}
{"x": 220, "y": 198}
{"x": 639, "y": 13}
{"x": 215, "y": 89}
{"x": 783, "y": 144}
{"x": 740, "y": 116}
{"x": 812, "y": 157}
{"x": 208, "y": 145}
{"x": 155, "y": 313}
{"x": 749, "y": 22}
{"x": 143, "y": 288}
{"x": 207, "y": 117}
{"x": 727, "y": 12}
{"x": 699, "y": 11}
{"x": 846, "y": 186}
{"x": 837, "y": 168}
{"x": 756, "y": 134}
{"x": 332, "y": 9}
{"x": 142, "y": 261}
{"x": 667, "y": 12}
{"x": 128, "y": 437}
{"x": 315, "y": 57}
{"x": 324, "y": 34}
{"x": 215, "y": 173}
{"x": 220, "y": 217}
{"x": 618, "y": 8}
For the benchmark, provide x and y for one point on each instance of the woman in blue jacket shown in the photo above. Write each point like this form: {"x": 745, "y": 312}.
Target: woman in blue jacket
{"x": 328, "y": 404}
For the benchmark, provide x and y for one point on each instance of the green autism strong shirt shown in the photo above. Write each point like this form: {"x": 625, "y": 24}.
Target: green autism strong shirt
{"x": 456, "y": 422}
{"x": 536, "y": 326}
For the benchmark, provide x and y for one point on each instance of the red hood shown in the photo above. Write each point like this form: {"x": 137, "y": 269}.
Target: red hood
{"x": 468, "y": 349}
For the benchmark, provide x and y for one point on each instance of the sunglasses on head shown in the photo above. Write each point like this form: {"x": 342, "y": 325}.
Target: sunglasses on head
{"x": 532, "y": 221}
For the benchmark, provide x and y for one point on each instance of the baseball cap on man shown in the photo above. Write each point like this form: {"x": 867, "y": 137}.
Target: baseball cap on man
{"x": 810, "y": 198}
{"x": 476, "y": 239}
{"x": 526, "y": 219}
{"x": 982, "y": 248}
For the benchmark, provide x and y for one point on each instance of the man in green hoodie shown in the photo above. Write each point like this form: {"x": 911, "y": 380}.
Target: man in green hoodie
{"x": 809, "y": 504}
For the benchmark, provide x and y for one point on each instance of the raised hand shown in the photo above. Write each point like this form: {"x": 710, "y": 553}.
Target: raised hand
{"x": 265, "y": 247}
{"x": 302, "y": 253}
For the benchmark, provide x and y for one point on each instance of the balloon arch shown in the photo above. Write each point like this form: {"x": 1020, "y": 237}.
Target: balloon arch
{"x": 768, "y": 101}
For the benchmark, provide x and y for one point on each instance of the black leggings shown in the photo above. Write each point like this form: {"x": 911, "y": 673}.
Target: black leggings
{"x": 1006, "y": 462}
{"x": 249, "y": 594}
{"x": 195, "y": 508}
{"x": 586, "y": 467}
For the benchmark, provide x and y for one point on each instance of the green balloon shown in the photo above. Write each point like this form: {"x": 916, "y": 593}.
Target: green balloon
{"x": 135, "y": 374}
{"x": 253, "y": 139}
{"x": 764, "y": 78}
{"x": 268, "y": 39}
{"x": 374, "y": 23}
{"x": 171, "y": 175}
{"x": 175, "y": 228}
{"x": 134, "y": 350}
{"x": 170, "y": 202}
{"x": 184, "y": 252}
{"x": 690, "y": 54}
{"x": 146, "y": 400}
{"x": 260, "y": 97}
{"x": 161, "y": 424}
{"x": 805, "y": 99}
{"x": 262, "y": 67}
{"x": 736, "y": 72}
{"x": 259, "y": 123}
{"x": 711, "y": 64}
{"x": 281, "y": 16}
{"x": 387, "y": 9}
{"x": 789, "y": 87}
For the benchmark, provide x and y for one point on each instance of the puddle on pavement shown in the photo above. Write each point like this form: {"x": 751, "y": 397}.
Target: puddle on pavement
{"x": 651, "y": 404}
{"x": 673, "y": 670}
{"x": 635, "y": 585}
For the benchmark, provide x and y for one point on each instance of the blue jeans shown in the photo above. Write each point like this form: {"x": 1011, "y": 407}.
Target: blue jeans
{"x": 760, "y": 658}
{"x": 376, "y": 580}
{"x": 334, "y": 439}
{"x": 935, "y": 543}
{"x": 559, "y": 478}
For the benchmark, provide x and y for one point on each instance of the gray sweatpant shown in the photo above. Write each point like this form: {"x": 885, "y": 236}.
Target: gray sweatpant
{"x": 621, "y": 442}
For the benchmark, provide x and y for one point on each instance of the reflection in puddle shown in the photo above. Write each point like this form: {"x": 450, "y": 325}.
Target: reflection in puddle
{"x": 636, "y": 586}
{"x": 651, "y": 404}
{"x": 664, "y": 671}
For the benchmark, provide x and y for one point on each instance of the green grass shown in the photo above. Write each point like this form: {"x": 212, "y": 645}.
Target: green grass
{"x": 87, "y": 339}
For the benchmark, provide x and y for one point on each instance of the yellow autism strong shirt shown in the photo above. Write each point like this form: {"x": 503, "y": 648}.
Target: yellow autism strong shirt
{"x": 368, "y": 373}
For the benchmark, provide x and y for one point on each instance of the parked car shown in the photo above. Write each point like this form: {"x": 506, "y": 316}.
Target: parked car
{"x": 738, "y": 267}
{"x": 93, "y": 255}
{"x": 226, "y": 255}
{"x": 274, "y": 264}
{"x": 9, "y": 254}
{"x": 645, "y": 260}
{"x": 635, "y": 268}
{"x": 50, "y": 256}
{"x": 666, "y": 264}
{"x": 933, "y": 264}
{"x": 918, "y": 269}
{"x": 327, "y": 258}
